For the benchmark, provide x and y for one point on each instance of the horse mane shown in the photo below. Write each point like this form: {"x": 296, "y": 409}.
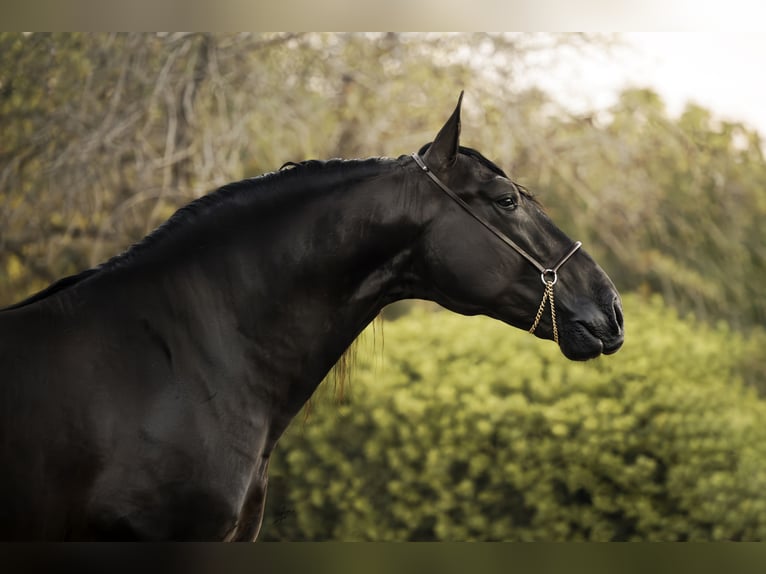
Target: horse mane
{"x": 250, "y": 191}
{"x": 55, "y": 287}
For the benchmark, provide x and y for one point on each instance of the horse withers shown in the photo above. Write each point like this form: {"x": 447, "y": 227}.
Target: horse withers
{"x": 142, "y": 399}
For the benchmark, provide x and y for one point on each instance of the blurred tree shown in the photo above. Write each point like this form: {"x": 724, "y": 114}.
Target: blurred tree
{"x": 103, "y": 136}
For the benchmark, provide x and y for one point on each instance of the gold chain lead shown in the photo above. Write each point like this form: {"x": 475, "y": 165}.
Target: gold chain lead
{"x": 547, "y": 295}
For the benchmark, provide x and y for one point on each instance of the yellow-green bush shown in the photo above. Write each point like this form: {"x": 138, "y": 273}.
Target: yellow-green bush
{"x": 466, "y": 429}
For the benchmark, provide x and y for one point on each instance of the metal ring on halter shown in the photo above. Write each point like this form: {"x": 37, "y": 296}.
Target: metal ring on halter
{"x": 547, "y": 272}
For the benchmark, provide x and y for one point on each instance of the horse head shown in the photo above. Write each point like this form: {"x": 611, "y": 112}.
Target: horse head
{"x": 489, "y": 248}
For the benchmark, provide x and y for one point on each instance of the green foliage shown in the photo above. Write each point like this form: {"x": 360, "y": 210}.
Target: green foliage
{"x": 466, "y": 429}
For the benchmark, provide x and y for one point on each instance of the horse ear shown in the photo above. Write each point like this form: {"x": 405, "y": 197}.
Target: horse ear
{"x": 442, "y": 153}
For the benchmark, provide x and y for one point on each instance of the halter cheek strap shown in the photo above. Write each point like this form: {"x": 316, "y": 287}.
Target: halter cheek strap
{"x": 549, "y": 275}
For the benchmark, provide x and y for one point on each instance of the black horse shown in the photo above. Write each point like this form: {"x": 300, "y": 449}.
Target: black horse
{"x": 143, "y": 398}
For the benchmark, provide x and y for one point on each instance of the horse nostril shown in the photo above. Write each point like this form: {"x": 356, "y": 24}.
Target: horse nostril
{"x": 617, "y": 311}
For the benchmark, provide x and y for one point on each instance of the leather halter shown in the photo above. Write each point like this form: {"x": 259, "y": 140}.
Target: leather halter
{"x": 549, "y": 275}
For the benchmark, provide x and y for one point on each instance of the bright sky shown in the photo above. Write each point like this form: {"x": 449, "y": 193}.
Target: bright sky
{"x": 724, "y": 72}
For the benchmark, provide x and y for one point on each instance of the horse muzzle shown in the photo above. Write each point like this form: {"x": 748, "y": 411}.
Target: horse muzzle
{"x": 591, "y": 330}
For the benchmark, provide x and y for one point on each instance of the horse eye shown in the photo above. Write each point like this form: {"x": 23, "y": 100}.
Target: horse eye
{"x": 507, "y": 202}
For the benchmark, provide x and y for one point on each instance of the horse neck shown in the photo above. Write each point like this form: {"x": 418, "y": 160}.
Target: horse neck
{"x": 339, "y": 261}
{"x": 303, "y": 277}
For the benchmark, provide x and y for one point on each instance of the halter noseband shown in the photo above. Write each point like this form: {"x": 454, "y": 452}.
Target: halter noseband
{"x": 549, "y": 275}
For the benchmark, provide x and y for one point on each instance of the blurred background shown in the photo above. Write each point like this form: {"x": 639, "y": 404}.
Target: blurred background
{"x": 646, "y": 147}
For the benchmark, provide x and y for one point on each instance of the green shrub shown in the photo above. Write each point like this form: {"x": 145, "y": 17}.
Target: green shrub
{"x": 466, "y": 429}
